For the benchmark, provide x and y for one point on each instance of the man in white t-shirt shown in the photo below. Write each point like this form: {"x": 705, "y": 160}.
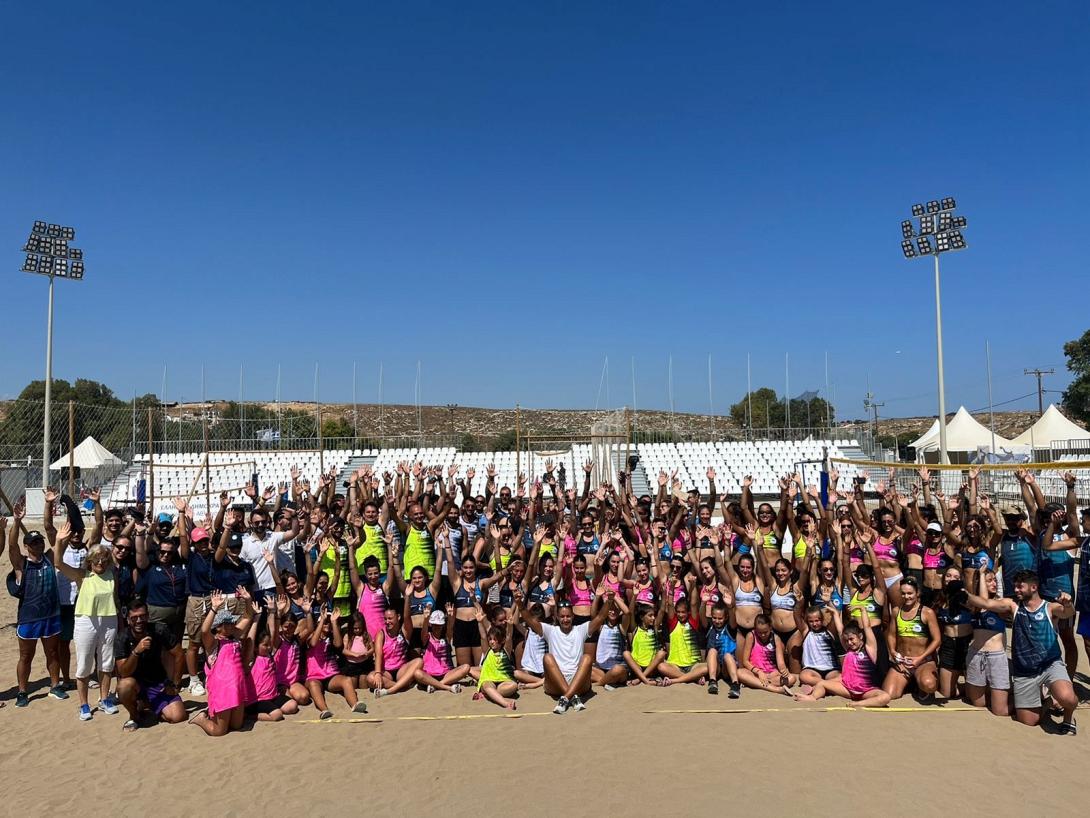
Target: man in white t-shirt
{"x": 567, "y": 665}
{"x": 259, "y": 540}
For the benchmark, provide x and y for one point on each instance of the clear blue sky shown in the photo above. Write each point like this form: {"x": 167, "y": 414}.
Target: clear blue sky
{"x": 511, "y": 192}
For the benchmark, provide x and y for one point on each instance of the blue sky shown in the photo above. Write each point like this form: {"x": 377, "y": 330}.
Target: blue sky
{"x": 509, "y": 193}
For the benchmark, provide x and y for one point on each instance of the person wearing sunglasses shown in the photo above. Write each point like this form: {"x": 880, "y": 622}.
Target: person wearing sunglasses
{"x": 143, "y": 663}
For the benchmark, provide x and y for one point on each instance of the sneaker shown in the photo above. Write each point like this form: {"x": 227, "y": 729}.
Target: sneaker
{"x": 85, "y": 712}
{"x": 22, "y": 699}
{"x": 361, "y": 707}
{"x": 735, "y": 690}
{"x": 577, "y": 703}
{"x": 1067, "y": 728}
{"x": 456, "y": 688}
{"x": 325, "y": 714}
{"x": 608, "y": 687}
{"x": 58, "y": 692}
{"x": 196, "y": 688}
{"x": 562, "y": 705}
{"x": 380, "y": 692}
{"x": 429, "y": 689}
{"x": 713, "y": 687}
{"x": 108, "y": 706}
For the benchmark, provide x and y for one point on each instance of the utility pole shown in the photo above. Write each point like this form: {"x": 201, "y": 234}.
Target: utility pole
{"x": 868, "y": 405}
{"x": 451, "y": 407}
{"x": 1039, "y": 373}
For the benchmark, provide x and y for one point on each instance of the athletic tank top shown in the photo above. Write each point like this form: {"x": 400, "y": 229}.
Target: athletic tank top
{"x": 533, "y": 655}
{"x": 818, "y": 651}
{"x": 463, "y": 598}
{"x": 372, "y": 607}
{"x": 857, "y": 604}
{"x": 610, "y": 650}
{"x": 763, "y": 654}
{"x": 783, "y": 602}
{"x": 419, "y": 551}
{"x": 395, "y": 651}
{"x": 1034, "y": 644}
{"x": 748, "y": 599}
{"x": 858, "y": 672}
{"x": 373, "y": 545}
{"x": 645, "y": 644}
{"x": 496, "y": 668}
{"x": 418, "y": 604}
{"x": 683, "y": 648}
{"x": 913, "y": 628}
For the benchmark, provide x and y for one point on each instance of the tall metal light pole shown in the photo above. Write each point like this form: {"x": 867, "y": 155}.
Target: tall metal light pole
{"x": 49, "y": 253}
{"x": 937, "y": 219}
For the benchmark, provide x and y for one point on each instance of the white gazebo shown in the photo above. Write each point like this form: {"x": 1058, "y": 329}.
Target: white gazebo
{"x": 89, "y": 457}
{"x": 964, "y": 434}
{"x": 1051, "y": 426}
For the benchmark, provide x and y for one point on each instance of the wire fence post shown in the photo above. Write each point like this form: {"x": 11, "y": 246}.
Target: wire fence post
{"x": 71, "y": 447}
{"x": 204, "y": 435}
{"x": 151, "y": 460}
{"x": 321, "y": 448}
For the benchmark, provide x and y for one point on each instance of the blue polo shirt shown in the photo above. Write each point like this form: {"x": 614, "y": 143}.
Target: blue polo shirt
{"x": 199, "y": 573}
{"x": 227, "y": 576}
{"x": 163, "y": 586}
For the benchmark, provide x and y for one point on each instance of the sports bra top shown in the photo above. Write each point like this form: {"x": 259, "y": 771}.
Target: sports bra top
{"x": 783, "y": 602}
{"x": 913, "y": 628}
{"x": 748, "y": 599}
{"x": 463, "y": 598}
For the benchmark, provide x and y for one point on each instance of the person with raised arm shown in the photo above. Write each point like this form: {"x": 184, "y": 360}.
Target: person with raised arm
{"x": 496, "y": 680}
{"x": 768, "y": 526}
{"x": 75, "y": 555}
{"x": 913, "y": 641}
{"x": 264, "y": 700}
{"x": 227, "y": 646}
{"x": 95, "y": 626}
{"x": 857, "y": 681}
{"x": 145, "y": 665}
{"x": 567, "y": 665}
{"x": 748, "y": 587}
{"x": 33, "y": 581}
{"x": 418, "y": 532}
{"x": 1035, "y": 649}
{"x": 395, "y": 664}
{"x": 195, "y": 553}
{"x": 374, "y": 591}
{"x": 1058, "y": 549}
{"x": 323, "y": 674}
{"x": 987, "y": 671}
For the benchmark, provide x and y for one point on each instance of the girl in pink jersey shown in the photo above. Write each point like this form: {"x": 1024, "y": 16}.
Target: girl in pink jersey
{"x": 288, "y": 654}
{"x": 322, "y": 671}
{"x": 763, "y": 664}
{"x": 264, "y": 701}
{"x": 224, "y": 636}
{"x": 437, "y": 671}
{"x": 395, "y": 664}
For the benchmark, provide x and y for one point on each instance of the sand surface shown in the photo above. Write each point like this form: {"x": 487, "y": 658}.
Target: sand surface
{"x": 445, "y": 755}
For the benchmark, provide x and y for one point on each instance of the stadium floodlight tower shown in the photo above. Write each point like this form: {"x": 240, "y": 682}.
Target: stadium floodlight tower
{"x": 936, "y": 221}
{"x": 49, "y": 253}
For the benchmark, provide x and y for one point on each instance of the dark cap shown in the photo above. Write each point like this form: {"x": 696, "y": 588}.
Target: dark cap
{"x": 235, "y": 541}
{"x": 33, "y": 537}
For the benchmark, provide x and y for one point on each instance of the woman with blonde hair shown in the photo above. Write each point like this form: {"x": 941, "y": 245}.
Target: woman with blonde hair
{"x": 96, "y": 620}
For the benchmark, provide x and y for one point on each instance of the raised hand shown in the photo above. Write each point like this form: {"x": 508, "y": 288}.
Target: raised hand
{"x": 225, "y": 499}
{"x": 747, "y": 481}
{"x": 95, "y": 494}
{"x": 217, "y": 600}
{"x": 1070, "y": 479}
{"x": 50, "y": 495}
{"x": 663, "y": 477}
{"x": 711, "y": 473}
{"x": 295, "y": 473}
{"x": 588, "y": 467}
{"x": 179, "y": 504}
{"x": 471, "y": 473}
{"x": 250, "y": 491}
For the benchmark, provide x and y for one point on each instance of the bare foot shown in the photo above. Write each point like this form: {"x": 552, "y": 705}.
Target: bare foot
{"x": 510, "y": 705}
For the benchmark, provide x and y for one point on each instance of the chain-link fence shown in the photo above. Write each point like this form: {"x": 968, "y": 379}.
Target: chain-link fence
{"x": 93, "y": 442}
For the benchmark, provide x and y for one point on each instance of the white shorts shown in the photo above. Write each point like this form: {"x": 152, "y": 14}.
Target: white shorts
{"x": 891, "y": 581}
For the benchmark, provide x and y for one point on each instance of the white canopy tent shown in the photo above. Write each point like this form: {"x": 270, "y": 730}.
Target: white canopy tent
{"x": 90, "y": 454}
{"x": 922, "y": 440}
{"x": 1052, "y": 425}
{"x": 964, "y": 433}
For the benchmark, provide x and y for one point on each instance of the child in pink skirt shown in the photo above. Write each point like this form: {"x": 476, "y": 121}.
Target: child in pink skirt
{"x": 438, "y": 672}
{"x": 288, "y": 654}
{"x": 263, "y": 698}
{"x": 225, "y": 639}
{"x": 322, "y": 671}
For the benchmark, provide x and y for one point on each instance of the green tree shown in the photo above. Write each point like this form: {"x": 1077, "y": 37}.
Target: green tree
{"x": 1076, "y": 398}
{"x": 770, "y": 411}
{"x": 337, "y": 427}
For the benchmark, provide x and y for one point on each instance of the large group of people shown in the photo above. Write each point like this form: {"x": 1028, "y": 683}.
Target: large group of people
{"x": 416, "y": 580}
